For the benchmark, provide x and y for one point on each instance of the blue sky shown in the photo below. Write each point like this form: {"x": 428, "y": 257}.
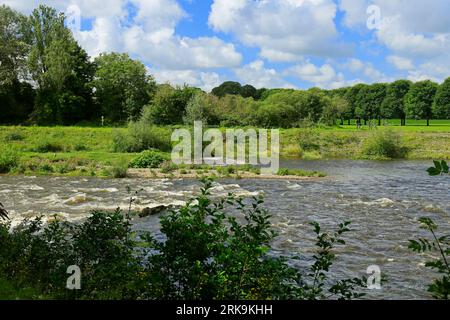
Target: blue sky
{"x": 268, "y": 43}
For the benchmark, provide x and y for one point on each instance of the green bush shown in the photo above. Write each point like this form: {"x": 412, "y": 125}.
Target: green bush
{"x": 14, "y": 136}
{"x": 384, "y": 145}
{"x": 309, "y": 140}
{"x": 9, "y": 159}
{"x": 46, "y": 147}
{"x": 148, "y": 159}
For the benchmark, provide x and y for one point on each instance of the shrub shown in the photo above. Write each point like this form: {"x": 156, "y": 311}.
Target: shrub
{"x": 80, "y": 147}
{"x": 119, "y": 171}
{"x": 309, "y": 140}
{"x": 9, "y": 159}
{"x": 384, "y": 145}
{"x": 14, "y": 136}
{"x": 148, "y": 159}
{"x": 49, "y": 147}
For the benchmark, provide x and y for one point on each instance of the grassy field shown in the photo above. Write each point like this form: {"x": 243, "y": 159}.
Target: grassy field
{"x": 89, "y": 151}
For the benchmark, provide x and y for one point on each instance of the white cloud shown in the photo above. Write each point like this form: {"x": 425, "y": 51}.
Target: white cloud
{"x": 413, "y": 30}
{"x": 256, "y": 74}
{"x": 324, "y": 76}
{"x": 283, "y": 30}
{"x": 400, "y": 62}
{"x": 204, "y": 80}
{"x": 150, "y": 34}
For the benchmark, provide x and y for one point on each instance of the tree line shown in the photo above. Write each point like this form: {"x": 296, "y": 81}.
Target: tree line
{"x": 46, "y": 78}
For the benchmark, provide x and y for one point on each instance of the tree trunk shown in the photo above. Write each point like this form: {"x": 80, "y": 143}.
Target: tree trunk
{"x": 379, "y": 121}
{"x": 428, "y": 122}
{"x": 365, "y": 122}
{"x": 349, "y": 121}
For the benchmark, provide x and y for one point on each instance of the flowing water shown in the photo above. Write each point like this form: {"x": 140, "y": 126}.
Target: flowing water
{"x": 382, "y": 199}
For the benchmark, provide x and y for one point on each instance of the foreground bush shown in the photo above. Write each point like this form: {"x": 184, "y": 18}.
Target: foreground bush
{"x": 440, "y": 245}
{"x": 208, "y": 252}
{"x": 384, "y": 145}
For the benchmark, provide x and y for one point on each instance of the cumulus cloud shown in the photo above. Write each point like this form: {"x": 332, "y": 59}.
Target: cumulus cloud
{"x": 413, "y": 30}
{"x": 400, "y": 62}
{"x": 283, "y": 30}
{"x": 258, "y": 75}
{"x": 204, "y": 80}
{"x": 148, "y": 32}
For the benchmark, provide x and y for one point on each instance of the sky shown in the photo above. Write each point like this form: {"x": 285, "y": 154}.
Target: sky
{"x": 267, "y": 43}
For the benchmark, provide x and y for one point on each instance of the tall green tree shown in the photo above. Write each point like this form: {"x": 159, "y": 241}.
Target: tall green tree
{"x": 419, "y": 100}
{"x": 60, "y": 68}
{"x": 122, "y": 86}
{"x": 16, "y": 95}
{"x": 441, "y": 104}
{"x": 370, "y": 99}
{"x": 13, "y": 46}
{"x": 352, "y": 96}
{"x": 393, "y": 105}
{"x": 228, "y": 87}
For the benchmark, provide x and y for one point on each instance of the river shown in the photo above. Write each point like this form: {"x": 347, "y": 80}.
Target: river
{"x": 382, "y": 199}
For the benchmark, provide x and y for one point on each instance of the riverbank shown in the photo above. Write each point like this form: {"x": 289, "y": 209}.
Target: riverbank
{"x": 80, "y": 151}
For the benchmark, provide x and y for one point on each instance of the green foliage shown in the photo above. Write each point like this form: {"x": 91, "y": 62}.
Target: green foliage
{"x": 148, "y": 159}
{"x": 122, "y": 86}
{"x": 14, "y": 136}
{"x": 440, "y": 288}
{"x": 142, "y": 136}
{"x": 299, "y": 173}
{"x": 419, "y": 100}
{"x": 13, "y": 49}
{"x": 46, "y": 147}
{"x": 441, "y": 105}
{"x": 309, "y": 139}
{"x": 9, "y": 159}
{"x": 393, "y": 105}
{"x": 384, "y": 145}
{"x": 198, "y": 109}
{"x": 168, "y": 105}
{"x": 39, "y": 255}
{"x": 439, "y": 168}
{"x": 119, "y": 171}
{"x": 61, "y": 69}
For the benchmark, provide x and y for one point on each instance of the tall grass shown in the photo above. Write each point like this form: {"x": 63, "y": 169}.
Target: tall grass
{"x": 142, "y": 136}
{"x": 9, "y": 159}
